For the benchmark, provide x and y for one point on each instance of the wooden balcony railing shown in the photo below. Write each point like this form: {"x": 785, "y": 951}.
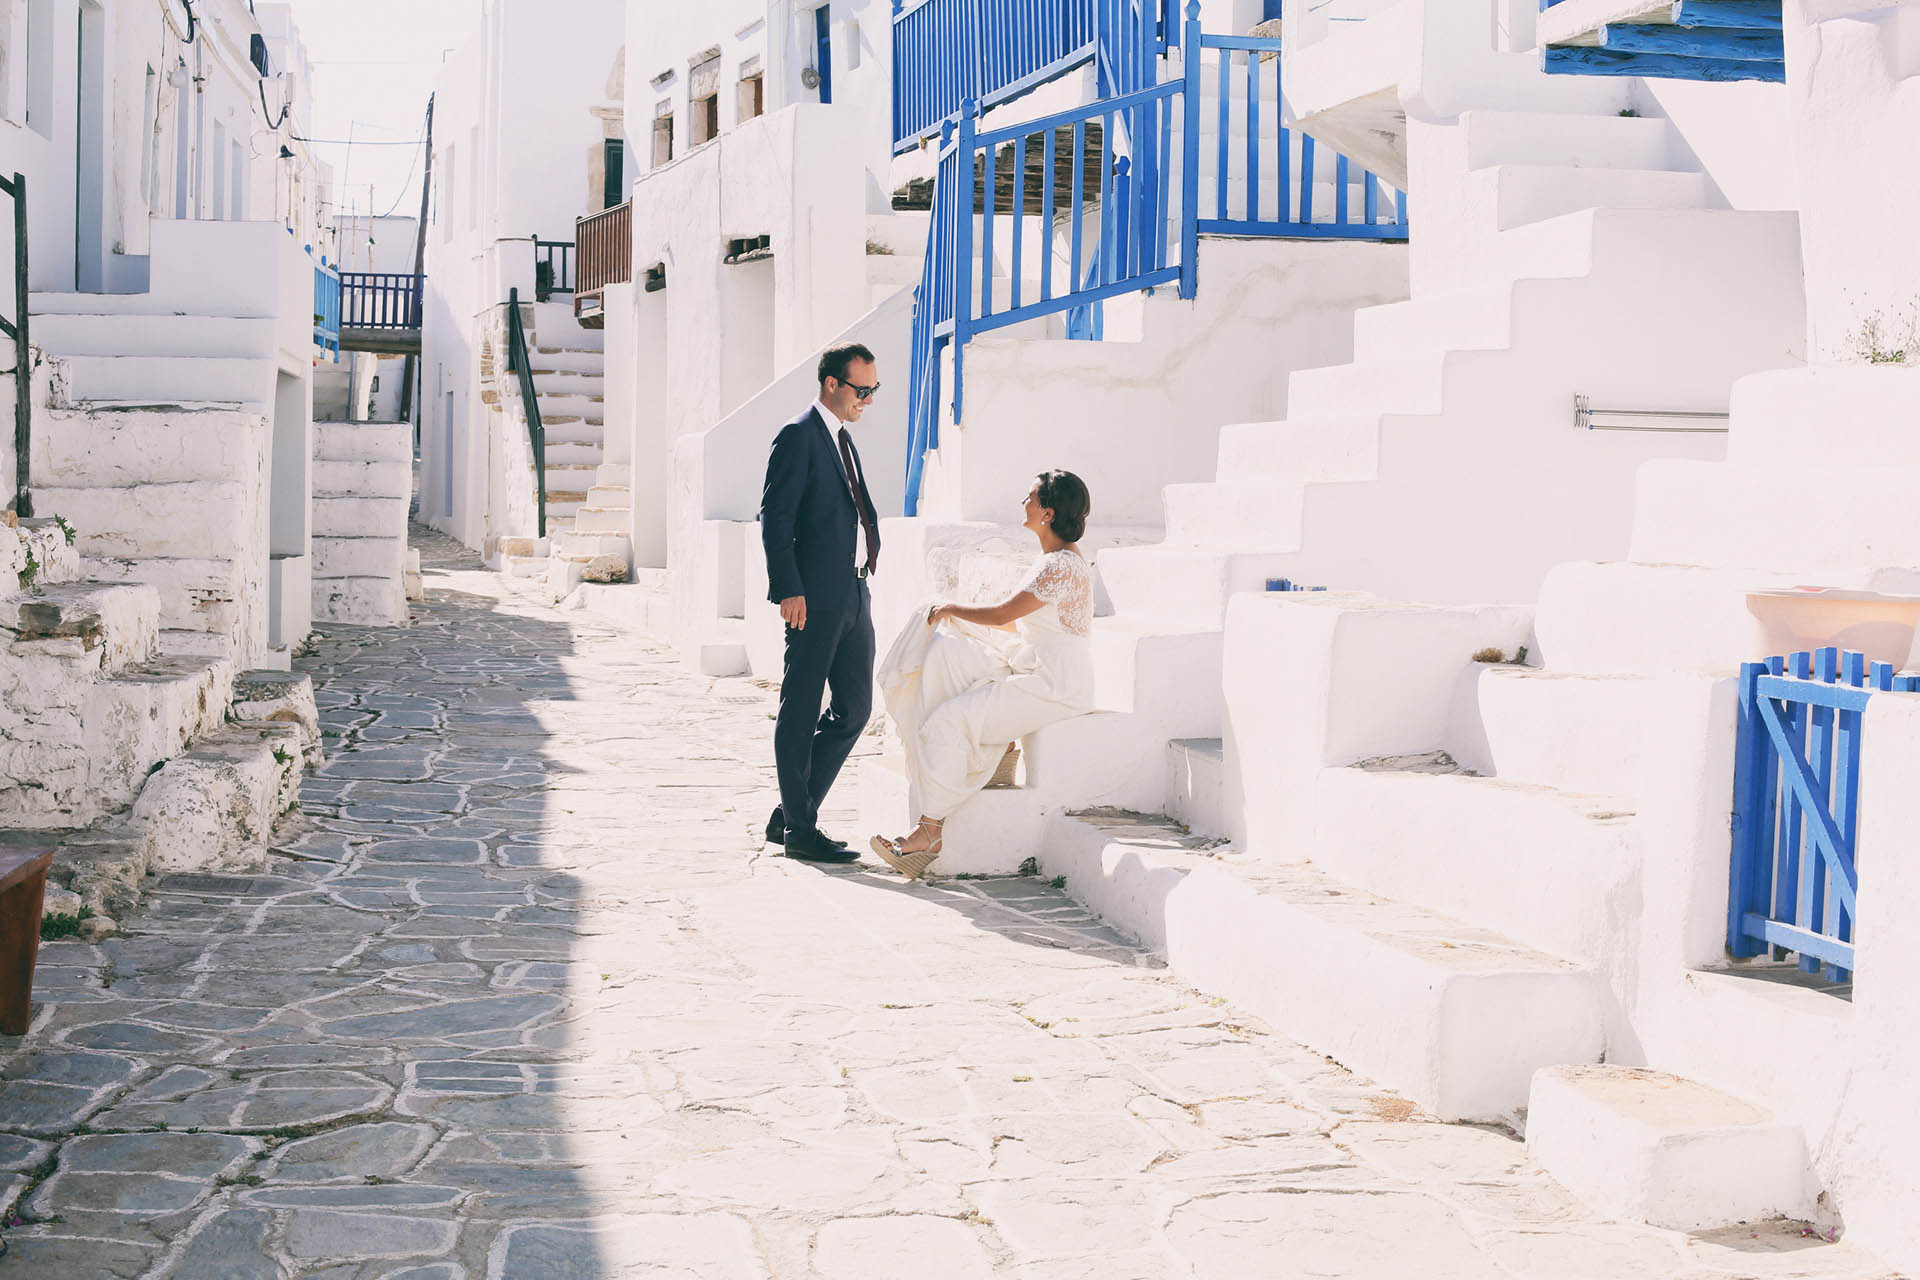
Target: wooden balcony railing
{"x": 604, "y": 249}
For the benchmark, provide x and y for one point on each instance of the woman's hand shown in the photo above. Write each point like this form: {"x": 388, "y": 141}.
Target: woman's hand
{"x": 936, "y": 613}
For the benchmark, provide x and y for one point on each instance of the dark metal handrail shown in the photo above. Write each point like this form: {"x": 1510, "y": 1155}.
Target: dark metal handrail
{"x": 552, "y": 268}
{"x": 519, "y": 362}
{"x": 16, "y": 329}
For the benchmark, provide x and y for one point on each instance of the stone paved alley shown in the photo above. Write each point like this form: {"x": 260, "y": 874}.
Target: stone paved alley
{"x": 525, "y": 997}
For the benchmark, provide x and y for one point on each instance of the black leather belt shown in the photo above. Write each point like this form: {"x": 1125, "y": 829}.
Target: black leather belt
{"x": 861, "y": 571}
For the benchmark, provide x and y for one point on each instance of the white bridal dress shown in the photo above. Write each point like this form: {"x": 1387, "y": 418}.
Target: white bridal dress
{"x": 960, "y": 693}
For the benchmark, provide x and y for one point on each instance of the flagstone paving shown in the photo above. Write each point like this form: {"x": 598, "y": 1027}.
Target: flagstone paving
{"x": 521, "y": 995}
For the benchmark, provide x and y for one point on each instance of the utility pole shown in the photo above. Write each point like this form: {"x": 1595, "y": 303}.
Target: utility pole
{"x": 419, "y": 266}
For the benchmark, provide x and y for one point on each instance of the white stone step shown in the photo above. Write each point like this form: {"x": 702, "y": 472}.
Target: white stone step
{"x": 1812, "y": 517}
{"x": 575, "y": 454}
{"x": 197, "y": 594}
{"x": 359, "y": 518}
{"x": 1169, "y": 678}
{"x": 568, "y": 477}
{"x": 1549, "y": 869}
{"x": 363, "y": 442}
{"x": 198, "y": 519}
{"x": 582, "y": 545}
{"x": 1456, "y": 1018}
{"x": 1579, "y": 733}
{"x": 1301, "y": 450}
{"x": 616, "y": 475}
{"x": 1182, "y": 586}
{"x": 217, "y": 802}
{"x": 1560, "y": 139}
{"x": 602, "y": 520}
{"x": 128, "y": 447}
{"x": 372, "y": 600}
{"x": 992, "y": 834}
{"x": 567, "y": 360}
{"x": 148, "y": 713}
{"x": 570, "y": 385}
{"x": 1409, "y": 384}
{"x": 554, "y": 326}
{"x": 1528, "y": 193}
{"x": 169, "y": 380}
{"x": 1632, "y": 619}
{"x": 80, "y": 334}
{"x": 1196, "y": 786}
{"x": 390, "y": 479}
{"x": 1859, "y": 415}
{"x": 374, "y": 557}
{"x": 607, "y": 495}
{"x": 1456, "y": 320}
{"x": 524, "y": 566}
{"x": 1235, "y": 515}
{"x": 1646, "y": 1146}
{"x": 95, "y": 628}
{"x": 188, "y": 642}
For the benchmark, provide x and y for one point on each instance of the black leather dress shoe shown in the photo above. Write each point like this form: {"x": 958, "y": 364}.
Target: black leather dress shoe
{"x": 777, "y": 830}
{"x": 811, "y": 846}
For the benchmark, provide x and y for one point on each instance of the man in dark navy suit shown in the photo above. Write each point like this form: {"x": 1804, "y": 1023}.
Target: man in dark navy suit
{"x": 823, "y": 542}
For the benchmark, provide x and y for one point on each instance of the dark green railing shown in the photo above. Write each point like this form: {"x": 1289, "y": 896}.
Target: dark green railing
{"x": 519, "y": 362}
{"x": 16, "y": 328}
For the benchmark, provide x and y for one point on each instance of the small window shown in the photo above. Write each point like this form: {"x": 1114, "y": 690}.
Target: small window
{"x": 703, "y": 98}
{"x": 663, "y": 136}
{"x": 752, "y": 96}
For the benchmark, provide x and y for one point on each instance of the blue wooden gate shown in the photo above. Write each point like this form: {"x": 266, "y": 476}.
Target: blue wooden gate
{"x": 1796, "y": 806}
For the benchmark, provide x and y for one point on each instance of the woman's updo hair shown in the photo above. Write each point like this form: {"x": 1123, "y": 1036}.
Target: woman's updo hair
{"x": 1065, "y": 494}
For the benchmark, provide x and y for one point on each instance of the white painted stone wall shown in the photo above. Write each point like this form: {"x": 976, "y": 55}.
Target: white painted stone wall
{"x": 151, "y": 162}
{"x": 519, "y": 122}
{"x": 1853, "y": 71}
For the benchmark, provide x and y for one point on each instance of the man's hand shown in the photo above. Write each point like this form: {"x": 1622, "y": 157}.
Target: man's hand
{"x": 793, "y": 612}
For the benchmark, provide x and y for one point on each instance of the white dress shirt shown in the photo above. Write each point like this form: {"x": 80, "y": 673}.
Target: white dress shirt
{"x": 834, "y": 426}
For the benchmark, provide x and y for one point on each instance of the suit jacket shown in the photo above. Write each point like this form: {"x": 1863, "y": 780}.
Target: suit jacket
{"x": 808, "y": 523}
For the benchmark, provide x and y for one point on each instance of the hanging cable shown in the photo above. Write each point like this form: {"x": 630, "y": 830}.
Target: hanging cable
{"x": 191, "y": 24}
{"x": 272, "y": 124}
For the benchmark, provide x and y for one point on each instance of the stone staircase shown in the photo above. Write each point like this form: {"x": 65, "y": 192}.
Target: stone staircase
{"x": 362, "y": 487}
{"x": 124, "y": 758}
{"x": 589, "y": 500}
{"x": 170, "y": 497}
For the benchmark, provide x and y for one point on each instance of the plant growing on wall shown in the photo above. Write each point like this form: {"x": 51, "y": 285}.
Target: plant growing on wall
{"x": 29, "y": 572}
{"x": 1888, "y": 339}
{"x": 67, "y": 531}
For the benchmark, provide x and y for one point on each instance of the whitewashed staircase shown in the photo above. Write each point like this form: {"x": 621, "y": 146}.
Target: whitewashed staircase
{"x": 362, "y": 487}
{"x": 588, "y": 499}
{"x": 1600, "y": 272}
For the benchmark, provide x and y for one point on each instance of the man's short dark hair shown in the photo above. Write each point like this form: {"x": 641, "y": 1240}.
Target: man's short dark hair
{"x": 835, "y": 363}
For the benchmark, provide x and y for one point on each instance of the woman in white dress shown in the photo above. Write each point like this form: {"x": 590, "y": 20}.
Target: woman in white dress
{"x": 964, "y": 682}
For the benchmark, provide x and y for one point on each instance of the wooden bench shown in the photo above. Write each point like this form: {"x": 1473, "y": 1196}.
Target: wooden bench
{"x": 23, "y": 890}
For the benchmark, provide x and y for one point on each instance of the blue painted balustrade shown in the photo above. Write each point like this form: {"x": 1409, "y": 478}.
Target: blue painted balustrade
{"x": 1058, "y": 214}
{"x": 326, "y": 309}
{"x": 947, "y": 52}
{"x": 1796, "y": 806}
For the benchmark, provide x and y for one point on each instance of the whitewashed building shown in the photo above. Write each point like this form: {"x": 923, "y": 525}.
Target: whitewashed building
{"x": 528, "y": 131}
{"x": 163, "y": 392}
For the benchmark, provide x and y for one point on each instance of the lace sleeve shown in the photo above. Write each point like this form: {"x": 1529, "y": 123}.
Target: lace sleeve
{"x": 1065, "y": 581}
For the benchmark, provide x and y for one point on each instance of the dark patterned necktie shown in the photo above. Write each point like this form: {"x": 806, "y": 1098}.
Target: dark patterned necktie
{"x": 857, "y": 482}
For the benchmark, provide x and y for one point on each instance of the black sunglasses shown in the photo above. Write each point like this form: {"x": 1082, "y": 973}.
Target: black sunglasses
{"x": 861, "y": 393}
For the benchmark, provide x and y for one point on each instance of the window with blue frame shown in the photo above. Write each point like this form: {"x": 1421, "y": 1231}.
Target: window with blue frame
{"x": 823, "y": 50}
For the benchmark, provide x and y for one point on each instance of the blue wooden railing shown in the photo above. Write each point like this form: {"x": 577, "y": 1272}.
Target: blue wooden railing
{"x": 1269, "y": 180}
{"x": 949, "y": 52}
{"x": 326, "y": 309}
{"x": 1139, "y": 146}
{"x": 1796, "y": 806}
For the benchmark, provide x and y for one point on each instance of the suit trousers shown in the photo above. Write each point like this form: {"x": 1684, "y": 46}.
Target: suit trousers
{"x": 833, "y": 656}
